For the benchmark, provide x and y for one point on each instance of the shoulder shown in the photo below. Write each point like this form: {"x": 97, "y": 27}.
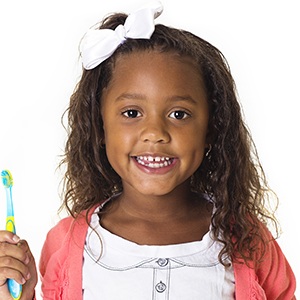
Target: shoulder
{"x": 66, "y": 226}
{"x": 61, "y": 238}
{"x": 272, "y": 277}
{"x": 61, "y": 228}
{"x": 69, "y": 225}
{"x": 61, "y": 258}
{"x": 275, "y": 274}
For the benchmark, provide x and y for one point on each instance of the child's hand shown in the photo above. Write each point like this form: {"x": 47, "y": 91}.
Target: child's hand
{"x": 16, "y": 262}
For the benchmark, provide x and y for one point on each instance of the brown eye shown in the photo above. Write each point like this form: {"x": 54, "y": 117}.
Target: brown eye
{"x": 131, "y": 113}
{"x": 179, "y": 115}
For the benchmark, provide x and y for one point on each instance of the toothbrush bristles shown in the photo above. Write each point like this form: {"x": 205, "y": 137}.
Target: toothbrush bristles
{"x": 7, "y": 178}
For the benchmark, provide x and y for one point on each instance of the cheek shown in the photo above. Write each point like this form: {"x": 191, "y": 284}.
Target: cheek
{"x": 194, "y": 146}
{"x": 118, "y": 144}
{"x": 116, "y": 136}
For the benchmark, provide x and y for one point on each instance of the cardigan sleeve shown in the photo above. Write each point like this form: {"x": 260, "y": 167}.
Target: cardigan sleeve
{"x": 275, "y": 275}
{"x": 53, "y": 243}
{"x": 272, "y": 278}
{"x": 62, "y": 257}
{"x": 52, "y": 259}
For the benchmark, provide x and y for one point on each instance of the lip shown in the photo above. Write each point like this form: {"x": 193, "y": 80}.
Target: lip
{"x": 155, "y": 163}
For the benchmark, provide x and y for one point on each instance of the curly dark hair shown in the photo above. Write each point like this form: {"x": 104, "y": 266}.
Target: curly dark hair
{"x": 231, "y": 175}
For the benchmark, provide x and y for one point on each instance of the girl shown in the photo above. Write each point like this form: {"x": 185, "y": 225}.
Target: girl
{"x": 166, "y": 194}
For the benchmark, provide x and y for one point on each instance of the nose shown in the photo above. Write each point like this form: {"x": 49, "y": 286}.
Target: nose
{"x": 155, "y": 131}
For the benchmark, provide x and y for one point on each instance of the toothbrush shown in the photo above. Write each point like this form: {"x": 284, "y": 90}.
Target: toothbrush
{"x": 14, "y": 288}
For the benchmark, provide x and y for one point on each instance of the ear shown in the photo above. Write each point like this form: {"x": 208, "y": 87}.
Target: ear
{"x": 102, "y": 142}
{"x": 209, "y": 140}
{"x": 208, "y": 150}
{"x": 102, "y": 138}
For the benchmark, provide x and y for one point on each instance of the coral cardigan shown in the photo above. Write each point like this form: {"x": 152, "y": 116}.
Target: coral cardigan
{"x": 62, "y": 259}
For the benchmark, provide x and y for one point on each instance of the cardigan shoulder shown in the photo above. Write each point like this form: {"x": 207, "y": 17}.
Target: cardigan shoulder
{"x": 62, "y": 257}
{"x": 272, "y": 278}
{"x": 60, "y": 262}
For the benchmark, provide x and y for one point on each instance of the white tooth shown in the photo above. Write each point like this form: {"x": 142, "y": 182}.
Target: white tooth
{"x": 154, "y": 162}
{"x": 140, "y": 161}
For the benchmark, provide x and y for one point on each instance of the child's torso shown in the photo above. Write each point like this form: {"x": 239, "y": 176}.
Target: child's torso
{"x": 131, "y": 271}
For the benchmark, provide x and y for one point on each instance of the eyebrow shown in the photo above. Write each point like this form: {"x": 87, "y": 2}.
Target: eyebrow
{"x": 185, "y": 98}
{"x": 136, "y": 96}
{"x": 131, "y": 96}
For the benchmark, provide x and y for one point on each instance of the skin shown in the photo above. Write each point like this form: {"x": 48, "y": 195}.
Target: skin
{"x": 156, "y": 106}
{"x": 16, "y": 262}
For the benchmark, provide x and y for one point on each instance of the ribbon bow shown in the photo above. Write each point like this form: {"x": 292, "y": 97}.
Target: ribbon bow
{"x": 98, "y": 45}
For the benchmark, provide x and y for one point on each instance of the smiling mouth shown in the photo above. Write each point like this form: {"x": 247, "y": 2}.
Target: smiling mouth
{"x": 154, "y": 162}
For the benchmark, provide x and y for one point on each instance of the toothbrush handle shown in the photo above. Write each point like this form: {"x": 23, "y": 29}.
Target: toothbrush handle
{"x": 10, "y": 224}
{"x": 14, "y": 288}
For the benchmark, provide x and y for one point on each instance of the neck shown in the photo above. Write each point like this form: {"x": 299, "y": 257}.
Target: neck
{"x": 177, "y": 217}
{"x": 157, "y": 208}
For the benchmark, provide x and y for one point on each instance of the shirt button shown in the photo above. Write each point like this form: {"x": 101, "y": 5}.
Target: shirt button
{"x": 162, "y": 262}
{"x": 160, "y": 287}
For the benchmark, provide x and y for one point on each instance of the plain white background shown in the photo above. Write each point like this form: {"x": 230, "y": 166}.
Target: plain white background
{"x": 40, "y": 66}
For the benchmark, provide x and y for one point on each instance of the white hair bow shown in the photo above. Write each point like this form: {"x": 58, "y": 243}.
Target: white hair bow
{"x": 99, "y": 44}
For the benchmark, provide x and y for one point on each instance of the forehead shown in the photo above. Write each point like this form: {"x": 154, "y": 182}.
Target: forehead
{"x": 160, "y": 70}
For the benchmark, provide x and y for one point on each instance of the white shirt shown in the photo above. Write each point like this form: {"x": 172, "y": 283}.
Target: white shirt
{"x": 126, "y": 270}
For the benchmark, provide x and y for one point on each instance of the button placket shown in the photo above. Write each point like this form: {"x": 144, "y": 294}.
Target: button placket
{"x": 161, "y": 279}
{"x": 160, "y": 287}
{"x": 162, "y": 262}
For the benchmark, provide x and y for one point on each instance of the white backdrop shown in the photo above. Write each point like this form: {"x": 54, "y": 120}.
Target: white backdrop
{"x": 40, "y": 66}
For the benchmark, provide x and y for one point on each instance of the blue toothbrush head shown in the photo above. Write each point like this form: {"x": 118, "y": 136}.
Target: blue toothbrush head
{"x": 7, "y": 179}
{"x": 14, "y": 288}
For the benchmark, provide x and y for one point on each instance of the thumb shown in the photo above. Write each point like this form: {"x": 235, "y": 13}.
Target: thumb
{"x": 9, "y": 237}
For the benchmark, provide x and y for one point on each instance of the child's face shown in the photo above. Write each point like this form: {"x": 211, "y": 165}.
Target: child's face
{"x": 155, "y": 115}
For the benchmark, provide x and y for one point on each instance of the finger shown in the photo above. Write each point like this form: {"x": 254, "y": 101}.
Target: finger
{"x": 30, "y": 262}
{"x": 23, "y": 245}
{"x": 14, "y": 251}
{"x": 9, "y": 237}
{"x": 14, "y": 269}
